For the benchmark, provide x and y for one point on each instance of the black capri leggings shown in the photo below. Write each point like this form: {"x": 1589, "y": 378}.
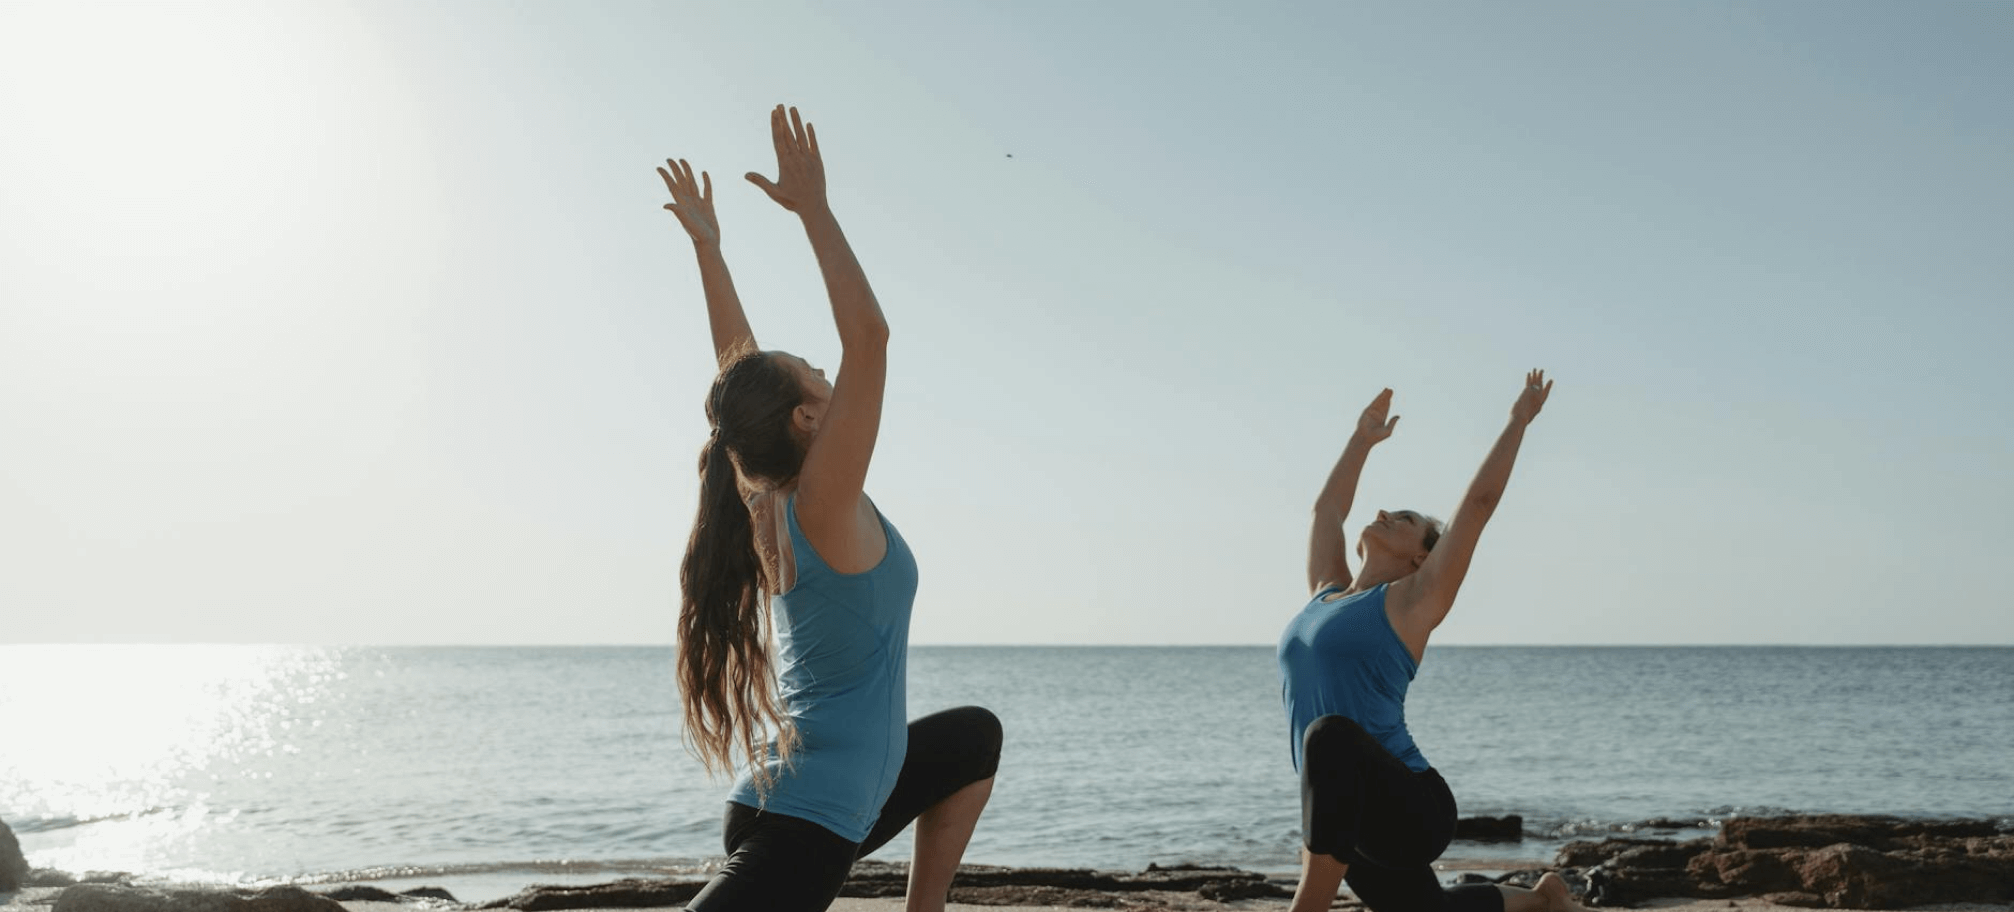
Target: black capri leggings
{"x": 779, "y": 863}
{"x": 1362, "y": 807}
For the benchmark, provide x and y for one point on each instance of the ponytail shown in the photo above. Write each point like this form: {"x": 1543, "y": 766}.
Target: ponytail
{"x": 725, "y": 680}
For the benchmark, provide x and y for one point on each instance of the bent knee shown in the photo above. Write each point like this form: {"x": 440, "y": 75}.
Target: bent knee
{"x": 986, "y": 734}
{"x": 1330, "y": 734}
{"x": 981, "y": 725}
{"x": 972, "y": 734}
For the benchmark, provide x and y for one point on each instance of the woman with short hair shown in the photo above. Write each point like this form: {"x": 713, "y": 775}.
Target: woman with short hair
{"x": 1373, "y": 811}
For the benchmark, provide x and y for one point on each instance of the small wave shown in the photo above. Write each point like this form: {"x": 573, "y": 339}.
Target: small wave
{"x": 65, "y": 821}
{"x": 1601, "y": 829}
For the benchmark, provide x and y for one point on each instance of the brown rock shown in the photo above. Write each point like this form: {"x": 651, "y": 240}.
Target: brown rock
{"x": 1745, "y": 872}
{"x": 13, "y": 866}
{"x": 1624, "y": 871}
{"x": 1676, "y": 855}
{"x": 126, "y": 898}
{"x": 975, "y": 884}
{"x": 1816, "y": 831}
{"x": 361, "y": 893}
{"x": 368, "y": 893}
{"x": 1856, "y": 877}
{"x": 1853, "y": 877}
{"x": 630, "y": 893}
{"x": 1584, "y": 854}
{"x": 1233, "y": 890}
{"x": 989, "y": 885}
{"x": 1508, "y": 828}
{"x": 1832, "y": 861}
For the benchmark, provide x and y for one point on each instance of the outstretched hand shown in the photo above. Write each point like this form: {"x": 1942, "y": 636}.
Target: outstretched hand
{"x": 692, "y": 204}
{"x": 800, "y": 171}
{"x": 1372, "y": 426}
{"x": 1536, "y": 389}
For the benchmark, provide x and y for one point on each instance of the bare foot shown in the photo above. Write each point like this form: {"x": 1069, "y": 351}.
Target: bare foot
{"x": 1558, "y": 898}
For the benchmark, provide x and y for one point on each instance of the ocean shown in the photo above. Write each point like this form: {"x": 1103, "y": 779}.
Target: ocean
{"x": 485, "y": 769}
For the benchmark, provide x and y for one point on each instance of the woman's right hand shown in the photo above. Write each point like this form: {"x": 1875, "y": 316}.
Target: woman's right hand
{"x": 1372, "y": 426}
{"x": 691, "y": 201}
{"x": 800, "y": 170}
{"x": 1532, "y": 398}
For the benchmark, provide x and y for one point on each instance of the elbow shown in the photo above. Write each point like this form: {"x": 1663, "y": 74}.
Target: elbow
{"x": 865, "y": 335}
{"x": 869, "y": 334}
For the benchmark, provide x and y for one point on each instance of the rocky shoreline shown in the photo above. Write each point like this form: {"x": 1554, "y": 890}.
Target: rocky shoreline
{"x": 1825, "y": 861}
{"x": 1808, "y": 861}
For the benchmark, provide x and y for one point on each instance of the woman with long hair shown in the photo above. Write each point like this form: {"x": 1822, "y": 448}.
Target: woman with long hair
{"x": 787, "y": 540}
{"x": 1373, "y": 811}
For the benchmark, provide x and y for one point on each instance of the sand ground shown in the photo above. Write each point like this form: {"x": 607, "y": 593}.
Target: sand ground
{"x": 38, "y": 900}
{"x": 1279, "y": 905}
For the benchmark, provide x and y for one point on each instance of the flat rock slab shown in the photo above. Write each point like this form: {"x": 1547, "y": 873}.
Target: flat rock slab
{"x": 630, "y": 893}
{"x": 977, "y": 884}
{"x": 368, "y": 893}
{"x": 124, "y": 898}
{"x": 992, "y": 886}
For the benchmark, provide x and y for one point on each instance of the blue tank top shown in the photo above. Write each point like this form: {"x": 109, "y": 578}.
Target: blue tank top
{"x": 843, "y": 644}
{"x": 1343, "y": 658}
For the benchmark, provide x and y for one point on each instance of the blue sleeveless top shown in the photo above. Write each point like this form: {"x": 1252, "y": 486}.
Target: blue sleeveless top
{"x": 1343, "y": 658}
{"x": 843, "y": 644}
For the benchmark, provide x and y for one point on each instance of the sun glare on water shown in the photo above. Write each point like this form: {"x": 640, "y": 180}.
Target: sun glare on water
{"x": 139, "y": 734}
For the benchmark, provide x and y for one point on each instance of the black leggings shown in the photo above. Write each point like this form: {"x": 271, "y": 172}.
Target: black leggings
{"x": 779, "y": 863}
{"x": 1362, "y": 807}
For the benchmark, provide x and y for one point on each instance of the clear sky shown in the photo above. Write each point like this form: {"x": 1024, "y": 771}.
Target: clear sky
{"x": 361, "y": 323}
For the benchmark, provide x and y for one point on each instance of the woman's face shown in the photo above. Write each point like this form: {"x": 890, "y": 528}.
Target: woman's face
{"x": 817, "y": 393}
{"x": 1400, "y": 532}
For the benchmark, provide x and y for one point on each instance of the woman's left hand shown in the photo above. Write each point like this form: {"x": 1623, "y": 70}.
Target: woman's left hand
{"x": 1372, "y": 426}
{"x": 1536, "y": 389}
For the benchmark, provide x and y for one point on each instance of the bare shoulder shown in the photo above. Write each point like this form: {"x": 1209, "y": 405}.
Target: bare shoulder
{"x": 848, "y": 537}
{"x": 1413, "y": 621}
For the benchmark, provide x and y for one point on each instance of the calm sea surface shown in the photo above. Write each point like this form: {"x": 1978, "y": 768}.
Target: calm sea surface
{"x": 491, "y": 766}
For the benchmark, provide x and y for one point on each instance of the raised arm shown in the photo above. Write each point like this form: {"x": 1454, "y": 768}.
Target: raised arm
{"x": 692, "y": 202}
{"x": 829, "y": 502}
{"x": 1425, "y": 597}
{"x": 1328, "y": 543}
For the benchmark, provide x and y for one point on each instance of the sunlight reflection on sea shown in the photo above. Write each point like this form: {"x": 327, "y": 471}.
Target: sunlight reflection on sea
{"x": 265, "y": 763}
{"x": 142, "y": 735}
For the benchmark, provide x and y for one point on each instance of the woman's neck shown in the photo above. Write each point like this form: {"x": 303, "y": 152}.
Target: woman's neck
{"x": 1379, "y": 570}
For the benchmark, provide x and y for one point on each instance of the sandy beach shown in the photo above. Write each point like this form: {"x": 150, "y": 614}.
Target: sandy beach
{"x": 1191, "y": 904}
{"x": 42, "y": 900}
{"x": 1281, "y": 904}
{"x": 1794, "y": 861}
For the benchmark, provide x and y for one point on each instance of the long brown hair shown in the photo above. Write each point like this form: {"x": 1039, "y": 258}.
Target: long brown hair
{"x": 725, "y": 679}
